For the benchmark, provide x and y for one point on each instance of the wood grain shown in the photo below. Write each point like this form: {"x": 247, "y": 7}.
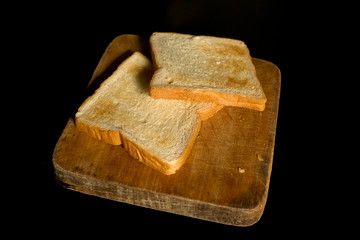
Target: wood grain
{"x": 225, "y": 179}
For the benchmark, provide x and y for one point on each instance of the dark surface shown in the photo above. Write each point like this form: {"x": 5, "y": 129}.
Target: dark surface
{"x": 63, "y": 44}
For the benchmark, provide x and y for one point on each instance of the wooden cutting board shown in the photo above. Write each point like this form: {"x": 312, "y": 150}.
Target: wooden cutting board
{"x": 225, "y": 179}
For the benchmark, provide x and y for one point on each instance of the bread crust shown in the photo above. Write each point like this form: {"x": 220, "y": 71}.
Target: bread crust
{"x": 137, "y": 151}
{"x": 201, "y": 95}
{"x": 133, "y": 149}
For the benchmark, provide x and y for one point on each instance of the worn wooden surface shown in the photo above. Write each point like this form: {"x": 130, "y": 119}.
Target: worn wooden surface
{"x": 225, "y": 179}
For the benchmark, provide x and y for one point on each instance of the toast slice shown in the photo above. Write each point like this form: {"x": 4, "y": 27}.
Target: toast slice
{"x": 204, "y": 69}
{"x": 160, "y": 133}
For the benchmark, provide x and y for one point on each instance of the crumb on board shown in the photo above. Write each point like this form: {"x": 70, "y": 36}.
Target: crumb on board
{"x": 241, "y": 170}
{"x": 259, "y": 157}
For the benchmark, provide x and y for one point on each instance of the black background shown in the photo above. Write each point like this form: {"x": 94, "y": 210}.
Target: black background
{"x": 58, "y": 47}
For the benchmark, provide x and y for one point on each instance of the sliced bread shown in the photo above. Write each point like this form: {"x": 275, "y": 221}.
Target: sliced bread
{"x": 204, "y": 69}
{"x": 160, "y": 133}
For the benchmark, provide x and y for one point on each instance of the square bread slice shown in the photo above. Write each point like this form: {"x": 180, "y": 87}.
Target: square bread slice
{"x": 160, "y": 133}
{"x": 204, "y": 69}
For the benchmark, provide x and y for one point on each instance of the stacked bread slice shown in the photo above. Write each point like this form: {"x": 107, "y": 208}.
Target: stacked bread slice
{"x": 157, "y": 116}
{"x": 204, "y": 69}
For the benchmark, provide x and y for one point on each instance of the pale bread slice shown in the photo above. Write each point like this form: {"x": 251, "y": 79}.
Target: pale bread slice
{"x": 160, "y": 133}
{"x": 204, "y": 69}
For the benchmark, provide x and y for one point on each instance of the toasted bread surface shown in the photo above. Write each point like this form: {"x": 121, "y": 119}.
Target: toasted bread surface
{"x": 160, "y": 133}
